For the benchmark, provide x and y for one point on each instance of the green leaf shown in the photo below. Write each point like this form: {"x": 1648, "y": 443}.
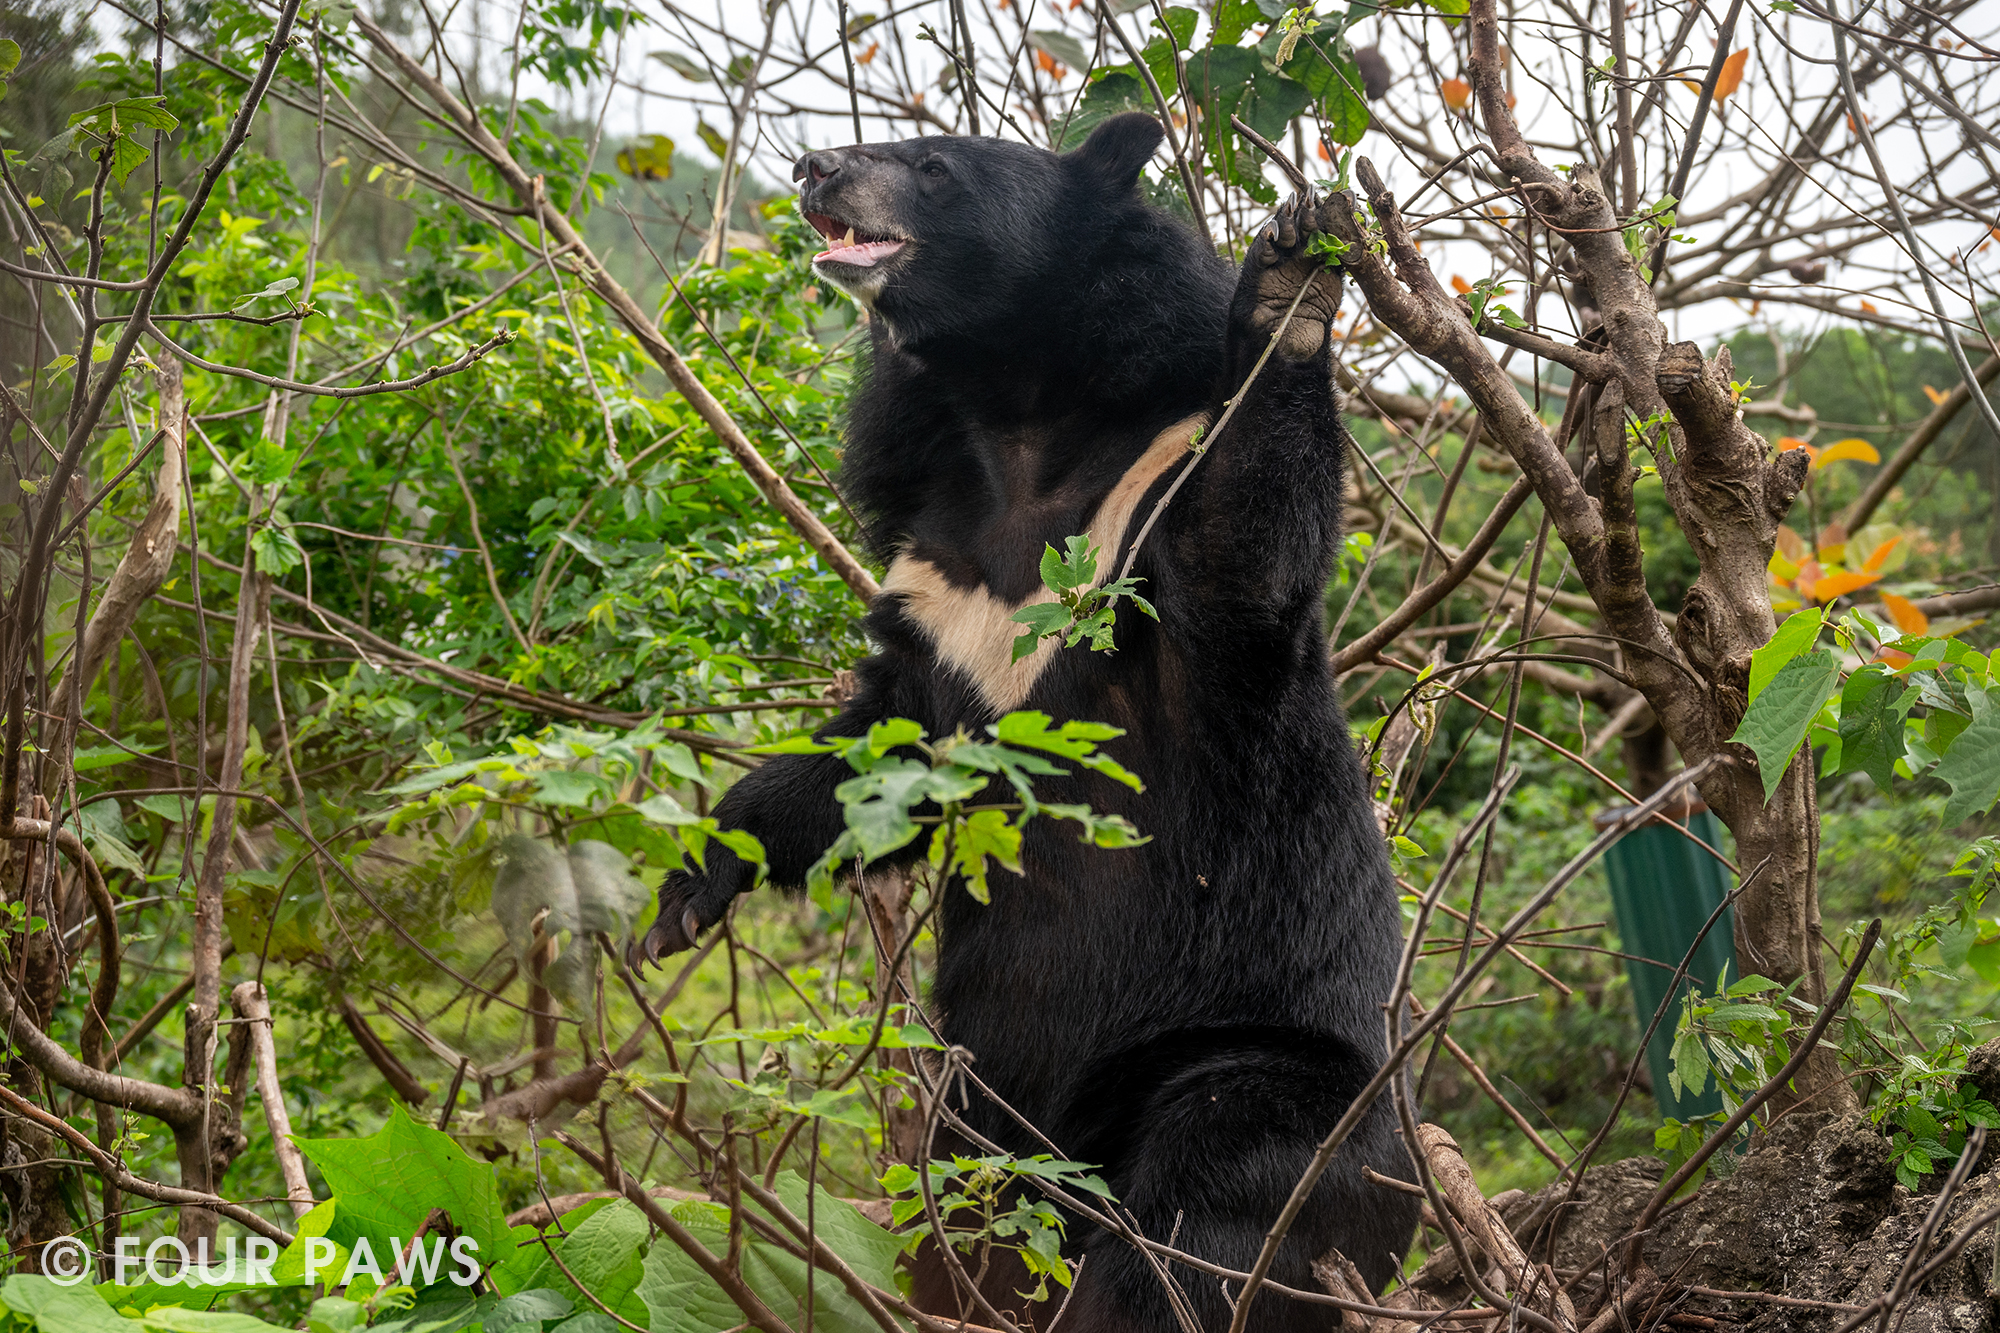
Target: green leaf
{"x": 1061, "y": 46}
{"x": 1328, "y": 72}
{"x": 1233, "y": 18}
{"x": 278, "y": 552}
{"x": 1984, "y": 959}
{"x": 1777, "y": 720}
{"x": 59, "y": 1309}
{"x": 1972, "y": 764}
{"x": 119, "y": 123}
{"x": 386, "y": 1184}
{"x": 691, "y": 70}
{"x": 1795, "y": 636}
{"x": 650, "y": 157}
{"x": 716, "y": 141}
{"x": 270, "y": 461}
{"x": 109, "y": 118}
{"x": 174, "y": 1319}
{"x": 680, "y": 1298}
{"x": 981, "y": 834}
{"x": 603, "y": 1253}
{"x": 1871, "y": 727}
{"x": 277, "y": 288}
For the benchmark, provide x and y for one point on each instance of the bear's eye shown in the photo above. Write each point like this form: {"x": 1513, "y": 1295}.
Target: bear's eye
{"x": 934, "y": 168}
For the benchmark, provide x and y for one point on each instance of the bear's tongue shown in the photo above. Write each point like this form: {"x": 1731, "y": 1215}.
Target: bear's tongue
{"x": 862, "y": 254}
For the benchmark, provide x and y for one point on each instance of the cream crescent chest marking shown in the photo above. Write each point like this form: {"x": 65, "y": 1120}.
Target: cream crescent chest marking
{"x": 972, "y": 629}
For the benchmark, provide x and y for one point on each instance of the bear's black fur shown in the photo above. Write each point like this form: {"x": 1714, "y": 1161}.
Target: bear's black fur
{"x": 1193, "y": 1015}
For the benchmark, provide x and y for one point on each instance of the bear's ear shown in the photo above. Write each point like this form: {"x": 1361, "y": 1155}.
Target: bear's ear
{"x": 1120, "y": 146}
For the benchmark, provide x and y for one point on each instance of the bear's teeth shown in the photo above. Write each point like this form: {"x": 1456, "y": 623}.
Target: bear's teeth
{"x": 850, "y": 237}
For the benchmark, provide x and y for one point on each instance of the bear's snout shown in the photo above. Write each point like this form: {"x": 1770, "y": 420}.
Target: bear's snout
{"x": 816, "y": 167}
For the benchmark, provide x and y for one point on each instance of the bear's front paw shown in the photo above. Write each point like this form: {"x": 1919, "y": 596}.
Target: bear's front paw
{"x": 1282, "y": 260}
{"x": 689, "y": 904}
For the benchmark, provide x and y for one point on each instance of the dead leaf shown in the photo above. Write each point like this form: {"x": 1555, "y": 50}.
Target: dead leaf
{"x": 1839, "y": 584}
{"x": 1457, "y": 94}
{"x": 1460, "y": 285}
{"x": 1732, "y": 75}
{"x": 1858, "y": 450}
{"x": 1937, "y": 398}
{"x": 1904, "y": 612}
{"x": 1880, "y": 555}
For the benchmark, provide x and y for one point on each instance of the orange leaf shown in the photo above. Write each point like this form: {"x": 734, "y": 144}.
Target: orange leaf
{"x": 1732, "y": 75}
{"x": 1905, "y": 613}
{"x": 1324, "y": 156}
{"x": 1880, "y": 555}
{"x": 1859, "y": 450}
{"x": 1050, "y": 66}
{"x": 1782, "y": 570}
{"x": 1787, "y": 443}
{"x": 1692, "y": 86}
{"x": 1937, "y": 399}
{"x": 1790, "y": 544}
{"x": 1512, "y": 101}
{"x": 1894, "y": 658}
{"x": 1831, "y": 543}
{"x": 869, "y": 54}
{"x": 1846, "y": 581}
{"x": 1460, "y": 285}
{"x": 1868, "y": 307}
{"x": 1457, "y": 93}
{"x": 1809, "y": 576}
{"x": 1996, "y": 233}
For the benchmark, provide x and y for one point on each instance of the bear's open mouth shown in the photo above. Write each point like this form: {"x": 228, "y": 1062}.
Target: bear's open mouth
{"x": 851, "y": 245}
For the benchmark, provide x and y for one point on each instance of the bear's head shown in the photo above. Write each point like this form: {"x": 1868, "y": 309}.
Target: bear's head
{"x": 964, "y": 238}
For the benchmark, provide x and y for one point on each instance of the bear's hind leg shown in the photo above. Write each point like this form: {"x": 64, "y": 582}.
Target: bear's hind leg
{"x": 1225, "y": 1141}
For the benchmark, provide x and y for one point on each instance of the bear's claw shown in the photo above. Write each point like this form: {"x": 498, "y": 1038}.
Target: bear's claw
{"x": 679, "y": 924}
{"x": 1278, "y": 262}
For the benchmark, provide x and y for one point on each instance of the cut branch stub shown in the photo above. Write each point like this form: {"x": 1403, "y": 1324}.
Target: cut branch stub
{"x": 1730, "y": 497}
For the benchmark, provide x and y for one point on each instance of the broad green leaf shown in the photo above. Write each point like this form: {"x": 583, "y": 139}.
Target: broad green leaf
{"x": 1972, "y": 763}
{"x": 386, "y": 1184}
{"x": 278, "y": 552}
{"x": 1984, "y": 959}
{"x": 173, "y": 1319}
{"x": 680, "y": 1298}
{"x": 604, "y": 1253}
{"x": 1775, "y": 724}
{"x": 1061, "y": 46}
{"x": 524, "y": 1312}
{"x": 1329, "y": 73}
{"x": 126, "y": 114}
{"x": 1233, "y": 18}
{"x": 59, "y": 1309}
{"x": 1794, "y": 637}
{"x": 1871, "y": 728}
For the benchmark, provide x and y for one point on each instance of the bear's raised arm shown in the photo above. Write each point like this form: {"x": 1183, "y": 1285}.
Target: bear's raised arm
{"x": 1255, "y": 530}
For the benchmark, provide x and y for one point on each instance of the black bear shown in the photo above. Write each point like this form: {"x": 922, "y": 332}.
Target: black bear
{"x": 1193, "y": 1015}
